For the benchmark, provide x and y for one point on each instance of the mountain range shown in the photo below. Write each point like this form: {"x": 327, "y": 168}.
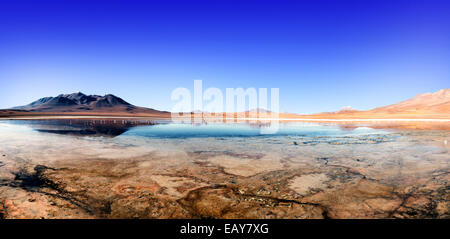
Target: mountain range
{"x": 428, "y": 105}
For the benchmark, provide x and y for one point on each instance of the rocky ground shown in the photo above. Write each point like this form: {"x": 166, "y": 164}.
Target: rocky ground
{"x": 405, "y": 175}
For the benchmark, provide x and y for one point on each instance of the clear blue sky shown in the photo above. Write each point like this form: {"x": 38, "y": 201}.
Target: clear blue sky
{"x": 323, "y": 55}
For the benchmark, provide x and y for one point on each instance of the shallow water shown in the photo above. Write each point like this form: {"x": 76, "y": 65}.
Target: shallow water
{"x": 167, "y": 129}
{"x": 157, "y": 169}
{"x": 175, "y": 130}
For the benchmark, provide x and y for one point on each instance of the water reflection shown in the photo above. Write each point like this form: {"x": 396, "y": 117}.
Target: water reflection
{"x": 295, "y": 129}
{"x": 83, "y": 127}
{"x": 168, "y": 129}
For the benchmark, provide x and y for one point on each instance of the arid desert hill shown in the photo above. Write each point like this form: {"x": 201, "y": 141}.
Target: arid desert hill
{"x": 425, "y": 106}
{"x": 81, "y": 104}
{"x": 437, "y": 102}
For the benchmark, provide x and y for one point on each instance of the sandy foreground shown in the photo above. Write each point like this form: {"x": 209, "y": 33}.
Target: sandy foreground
{"x": 401, "y": 174}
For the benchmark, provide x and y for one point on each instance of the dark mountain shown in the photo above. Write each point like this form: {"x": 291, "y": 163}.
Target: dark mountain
{"x": 79, "y": 102}
{"x": 110, "y": 101}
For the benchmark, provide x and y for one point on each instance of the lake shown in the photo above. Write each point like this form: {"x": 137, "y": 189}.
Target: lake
{"x": 145, "y": 168}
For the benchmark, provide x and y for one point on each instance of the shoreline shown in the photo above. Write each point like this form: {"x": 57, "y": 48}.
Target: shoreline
{"x": 226, "y": 119}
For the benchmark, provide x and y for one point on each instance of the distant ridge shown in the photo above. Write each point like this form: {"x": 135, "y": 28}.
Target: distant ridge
{"x": 343, "y": 110}
{"x": 259, "y": 110}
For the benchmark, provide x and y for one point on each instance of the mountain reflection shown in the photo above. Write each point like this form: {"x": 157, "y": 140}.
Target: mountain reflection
{"x": 84, "y": 127}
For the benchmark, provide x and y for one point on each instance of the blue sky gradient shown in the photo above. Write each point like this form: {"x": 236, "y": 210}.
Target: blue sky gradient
{"x": 323, "y": 55}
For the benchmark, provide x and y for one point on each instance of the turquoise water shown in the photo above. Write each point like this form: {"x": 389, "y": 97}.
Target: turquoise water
{"x": 176, "y": 130}
{"x": 170, "y": 130}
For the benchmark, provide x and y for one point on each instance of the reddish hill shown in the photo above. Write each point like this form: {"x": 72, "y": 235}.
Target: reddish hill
{"x": 437, "y": 102}
{"x": 425, "y": 106}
